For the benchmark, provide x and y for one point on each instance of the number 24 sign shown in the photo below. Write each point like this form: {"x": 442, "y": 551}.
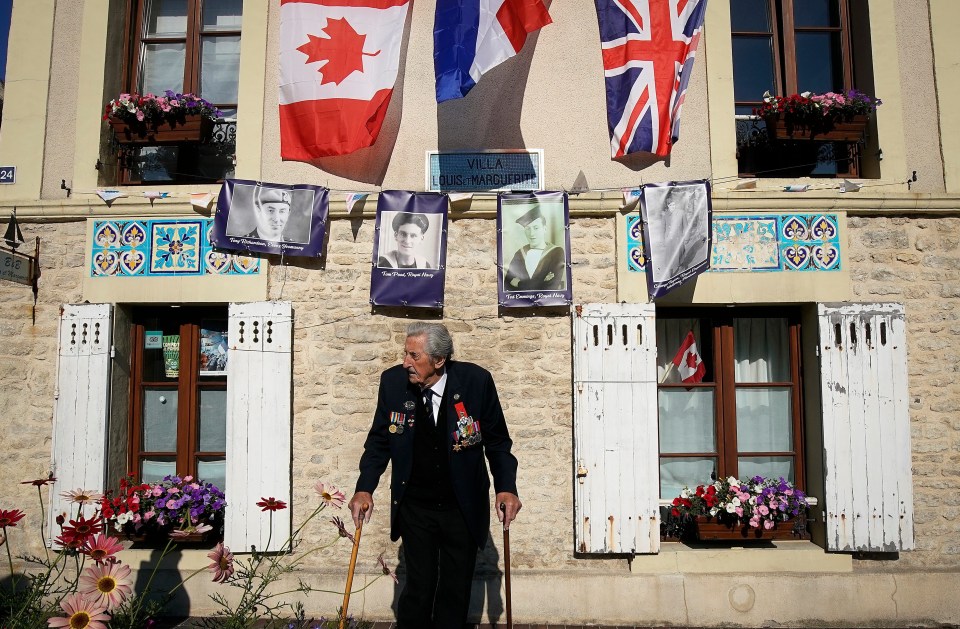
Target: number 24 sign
{"x": 8, "y": 174}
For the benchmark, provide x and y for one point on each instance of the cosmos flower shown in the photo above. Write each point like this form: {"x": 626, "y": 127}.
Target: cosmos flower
{"x": 40, "y": 482}
{"x": 222, "y": 566}
{"x": 81, "y": 614}
{"x": 271, "y": 504}
{"x": 107, "y": 585}
{"x": 337, "y": 522}
{"x": 102, "y": 548}
{"x": 386, "y": 569}
{"x": 10, "y": 517}
{"x": 330, "y": 494}
{"x": 81, "y": 529}
{"x": 82, "y": 496}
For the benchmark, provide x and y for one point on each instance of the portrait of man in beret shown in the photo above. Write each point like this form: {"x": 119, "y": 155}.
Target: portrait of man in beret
{"x": 271, "y": 209}
{"x": 413, "y": 249}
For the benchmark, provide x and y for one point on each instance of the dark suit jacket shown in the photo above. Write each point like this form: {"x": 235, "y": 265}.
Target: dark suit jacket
{"x": 468, "y": 470}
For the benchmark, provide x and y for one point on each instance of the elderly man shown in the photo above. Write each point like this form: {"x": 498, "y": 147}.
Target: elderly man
{"x": 436, "y": 418}
{"x": 408, "y": 229}
{"x": 538, "y": 265}
{"x": 271, "y": 209}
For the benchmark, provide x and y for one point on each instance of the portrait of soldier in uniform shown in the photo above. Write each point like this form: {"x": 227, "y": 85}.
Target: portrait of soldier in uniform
{"x": 539, "y": 264}
{"x": 678, "y": 230}
{"x": 412, "y": 248}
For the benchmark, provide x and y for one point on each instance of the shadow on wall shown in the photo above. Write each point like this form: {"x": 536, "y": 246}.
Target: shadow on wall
{"x": 370, "y": 164}
{"x": 487, "y": 586}
{"x": 488, "y": 117}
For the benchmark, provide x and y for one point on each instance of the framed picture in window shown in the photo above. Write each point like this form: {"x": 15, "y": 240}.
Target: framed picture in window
{"x": 213, "y": 348}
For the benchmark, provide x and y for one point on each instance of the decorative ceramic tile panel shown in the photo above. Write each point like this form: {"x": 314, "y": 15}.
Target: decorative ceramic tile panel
{"x": 162, "y": 248}
{"x": 785, "y": 242}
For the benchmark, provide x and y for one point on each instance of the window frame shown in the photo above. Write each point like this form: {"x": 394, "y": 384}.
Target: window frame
{"x": 188, "y": 453}
{"x": 720, "y": 358}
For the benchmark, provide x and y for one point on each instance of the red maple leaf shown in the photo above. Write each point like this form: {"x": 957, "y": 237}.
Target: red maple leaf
{"x": 342, "y": 50}
{"x": 691, "y": 360}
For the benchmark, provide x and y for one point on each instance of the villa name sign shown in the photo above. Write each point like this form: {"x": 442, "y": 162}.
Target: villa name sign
{"x": 485, "y": 171}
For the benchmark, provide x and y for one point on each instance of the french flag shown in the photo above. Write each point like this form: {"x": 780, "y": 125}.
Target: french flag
{"x": 472, "y": 36}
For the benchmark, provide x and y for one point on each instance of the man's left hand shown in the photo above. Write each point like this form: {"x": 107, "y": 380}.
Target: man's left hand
{"x": 511, "y": 504}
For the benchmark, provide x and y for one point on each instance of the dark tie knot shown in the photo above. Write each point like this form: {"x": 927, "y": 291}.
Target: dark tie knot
{"x": 428, "y": 397}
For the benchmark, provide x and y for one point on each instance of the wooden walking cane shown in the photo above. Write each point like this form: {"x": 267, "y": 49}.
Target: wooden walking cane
{"x": 353, "y": 565}
{"x": 506, "y": 564}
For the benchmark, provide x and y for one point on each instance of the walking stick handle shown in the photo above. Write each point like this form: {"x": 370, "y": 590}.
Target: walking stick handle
{"x": 353, "y": 565}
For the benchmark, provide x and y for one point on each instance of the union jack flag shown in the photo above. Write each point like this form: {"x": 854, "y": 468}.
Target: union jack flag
{"x": 648, "y": 50}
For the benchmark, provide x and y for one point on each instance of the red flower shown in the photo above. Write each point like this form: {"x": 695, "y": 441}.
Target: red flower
{"x": 81, "y": 529}
{"x": 40, "y": 482}
{"x": 674, "y": 511}
{"x": 271, "y": 504}
{"x": 11, "y": 517}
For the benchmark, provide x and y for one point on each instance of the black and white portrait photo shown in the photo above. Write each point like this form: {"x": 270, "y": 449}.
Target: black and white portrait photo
{"x": 676, "y": 221}
{"x": 412, "y": 240}
{"x": 271, "y": 214}
{"x": 534, "y": 247}
{"x": 271, "y": 218}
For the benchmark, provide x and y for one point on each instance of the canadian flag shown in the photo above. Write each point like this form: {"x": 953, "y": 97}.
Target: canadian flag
{"x": 338, "y": 64}
{"x": 689, "y": 365}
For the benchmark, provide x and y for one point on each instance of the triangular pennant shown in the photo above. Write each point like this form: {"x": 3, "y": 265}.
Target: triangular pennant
{"x": 201, "y": 200}
{"x": 353, "y": 197}
{"x": 109, "y": 196}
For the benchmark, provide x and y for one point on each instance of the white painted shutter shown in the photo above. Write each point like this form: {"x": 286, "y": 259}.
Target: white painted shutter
{"x": 866, "y": 427}
{"x": 616, "y": 443}
{"x": 81, "y": 404}
{"x": 259, "y": 375}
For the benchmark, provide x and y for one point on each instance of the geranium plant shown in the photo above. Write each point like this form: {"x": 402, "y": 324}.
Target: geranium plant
{"x": 175, "y": 505}
{"x": 152, "y": 109}
{"x": 816, "y": 112}
{"x": 758, "y": 502}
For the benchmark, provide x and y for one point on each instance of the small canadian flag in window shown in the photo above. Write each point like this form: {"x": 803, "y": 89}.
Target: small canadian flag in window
{"x": 689, "y": 365}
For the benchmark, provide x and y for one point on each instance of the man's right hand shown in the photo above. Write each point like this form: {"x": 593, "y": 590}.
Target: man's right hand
{"x": 361, "y": 503}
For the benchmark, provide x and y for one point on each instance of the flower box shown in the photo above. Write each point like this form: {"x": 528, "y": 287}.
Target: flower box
{"x": 191, "y": 128}
{"x": 705, "y": 528}
{"x": 851, "y": 130}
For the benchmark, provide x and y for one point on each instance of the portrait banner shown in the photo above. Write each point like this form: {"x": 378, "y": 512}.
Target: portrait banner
{"x": 410, "y": 250}
{"x": 288, "y": 220}
{"x": 533, "y": 250}
{"x": 677, "y": 232}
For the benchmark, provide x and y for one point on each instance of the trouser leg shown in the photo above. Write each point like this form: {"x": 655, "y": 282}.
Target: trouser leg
{"x": 419, "y": 533}
{"x": 457, "y": 559}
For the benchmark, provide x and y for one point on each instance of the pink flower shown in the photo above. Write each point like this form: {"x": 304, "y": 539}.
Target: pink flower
{"x": 341, "y": 529}
{"x": 330, "y": 494}
{"x": 768, "y": 524}
{"x": 171, "y": 504}
{"x": 81, "y": 614}
{"x": 107, "y": 585}
{"x": 156, "y": 491}
{"x": 386, "y": 569}
{"x": 222, "y": 566}
{"x": 140, "y": 116}
{"x": 763, "y": 510}
{"x": 739, "y": 511}
{"x": 755, "y": 522}
{"x": 149, "y": 514}
{"x": 81, "y": 496}
{"x": 102, "y": 548}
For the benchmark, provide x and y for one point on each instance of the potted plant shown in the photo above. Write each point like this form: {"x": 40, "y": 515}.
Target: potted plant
{"x": 825, "y": 117}
{"x": 758, "y": 508}
{"x": 152, "y": 119}
{"x": 179, "y": 507}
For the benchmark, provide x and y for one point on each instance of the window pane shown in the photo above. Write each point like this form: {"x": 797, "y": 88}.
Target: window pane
{"x": 161, "y": 68}
{"x": 220, "y": 68}
{"x": 166, "y": 17}
{"x": 750, "y": 15}
{"x": 686, "y": 420}
{"x": 752, "y": 68}
{"x": 670, "y": 336}
{"x": 213, "y": 420}
{"x": 222, "y": 14}
{"x": 766, "y": 466}
{"x": 675, "y": 474}
{"x": 819, "y": 62}
{"x": 761, "y": 350}
{"x": 159, "y": 420}
{"x": 816, "y": 13}
{"x": 764, "y": 421}
{"x": 213, "y": 470}
{"x": 155, "y": 468}
{"x": 161, "y": 361}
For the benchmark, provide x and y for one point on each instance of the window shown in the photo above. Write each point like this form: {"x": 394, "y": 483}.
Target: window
{"x": 179, "y": 393}
{"x": 744, "y": 418}
{"x": 185, "y": 46}
{"x": 787, "y": 47}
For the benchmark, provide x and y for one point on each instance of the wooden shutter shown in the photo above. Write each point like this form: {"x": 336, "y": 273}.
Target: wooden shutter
{"x": 259, "y": 374}
{"x": 616, "y": 445}
{"x": 866, "y": 427}
{"x": 81, "y": 403}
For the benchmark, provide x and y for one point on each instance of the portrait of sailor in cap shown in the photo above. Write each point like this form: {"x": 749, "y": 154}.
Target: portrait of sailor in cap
{"x": 539, "y": 264}
{"x": 271, "y": 210}
{"x": 409, "y": 229}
